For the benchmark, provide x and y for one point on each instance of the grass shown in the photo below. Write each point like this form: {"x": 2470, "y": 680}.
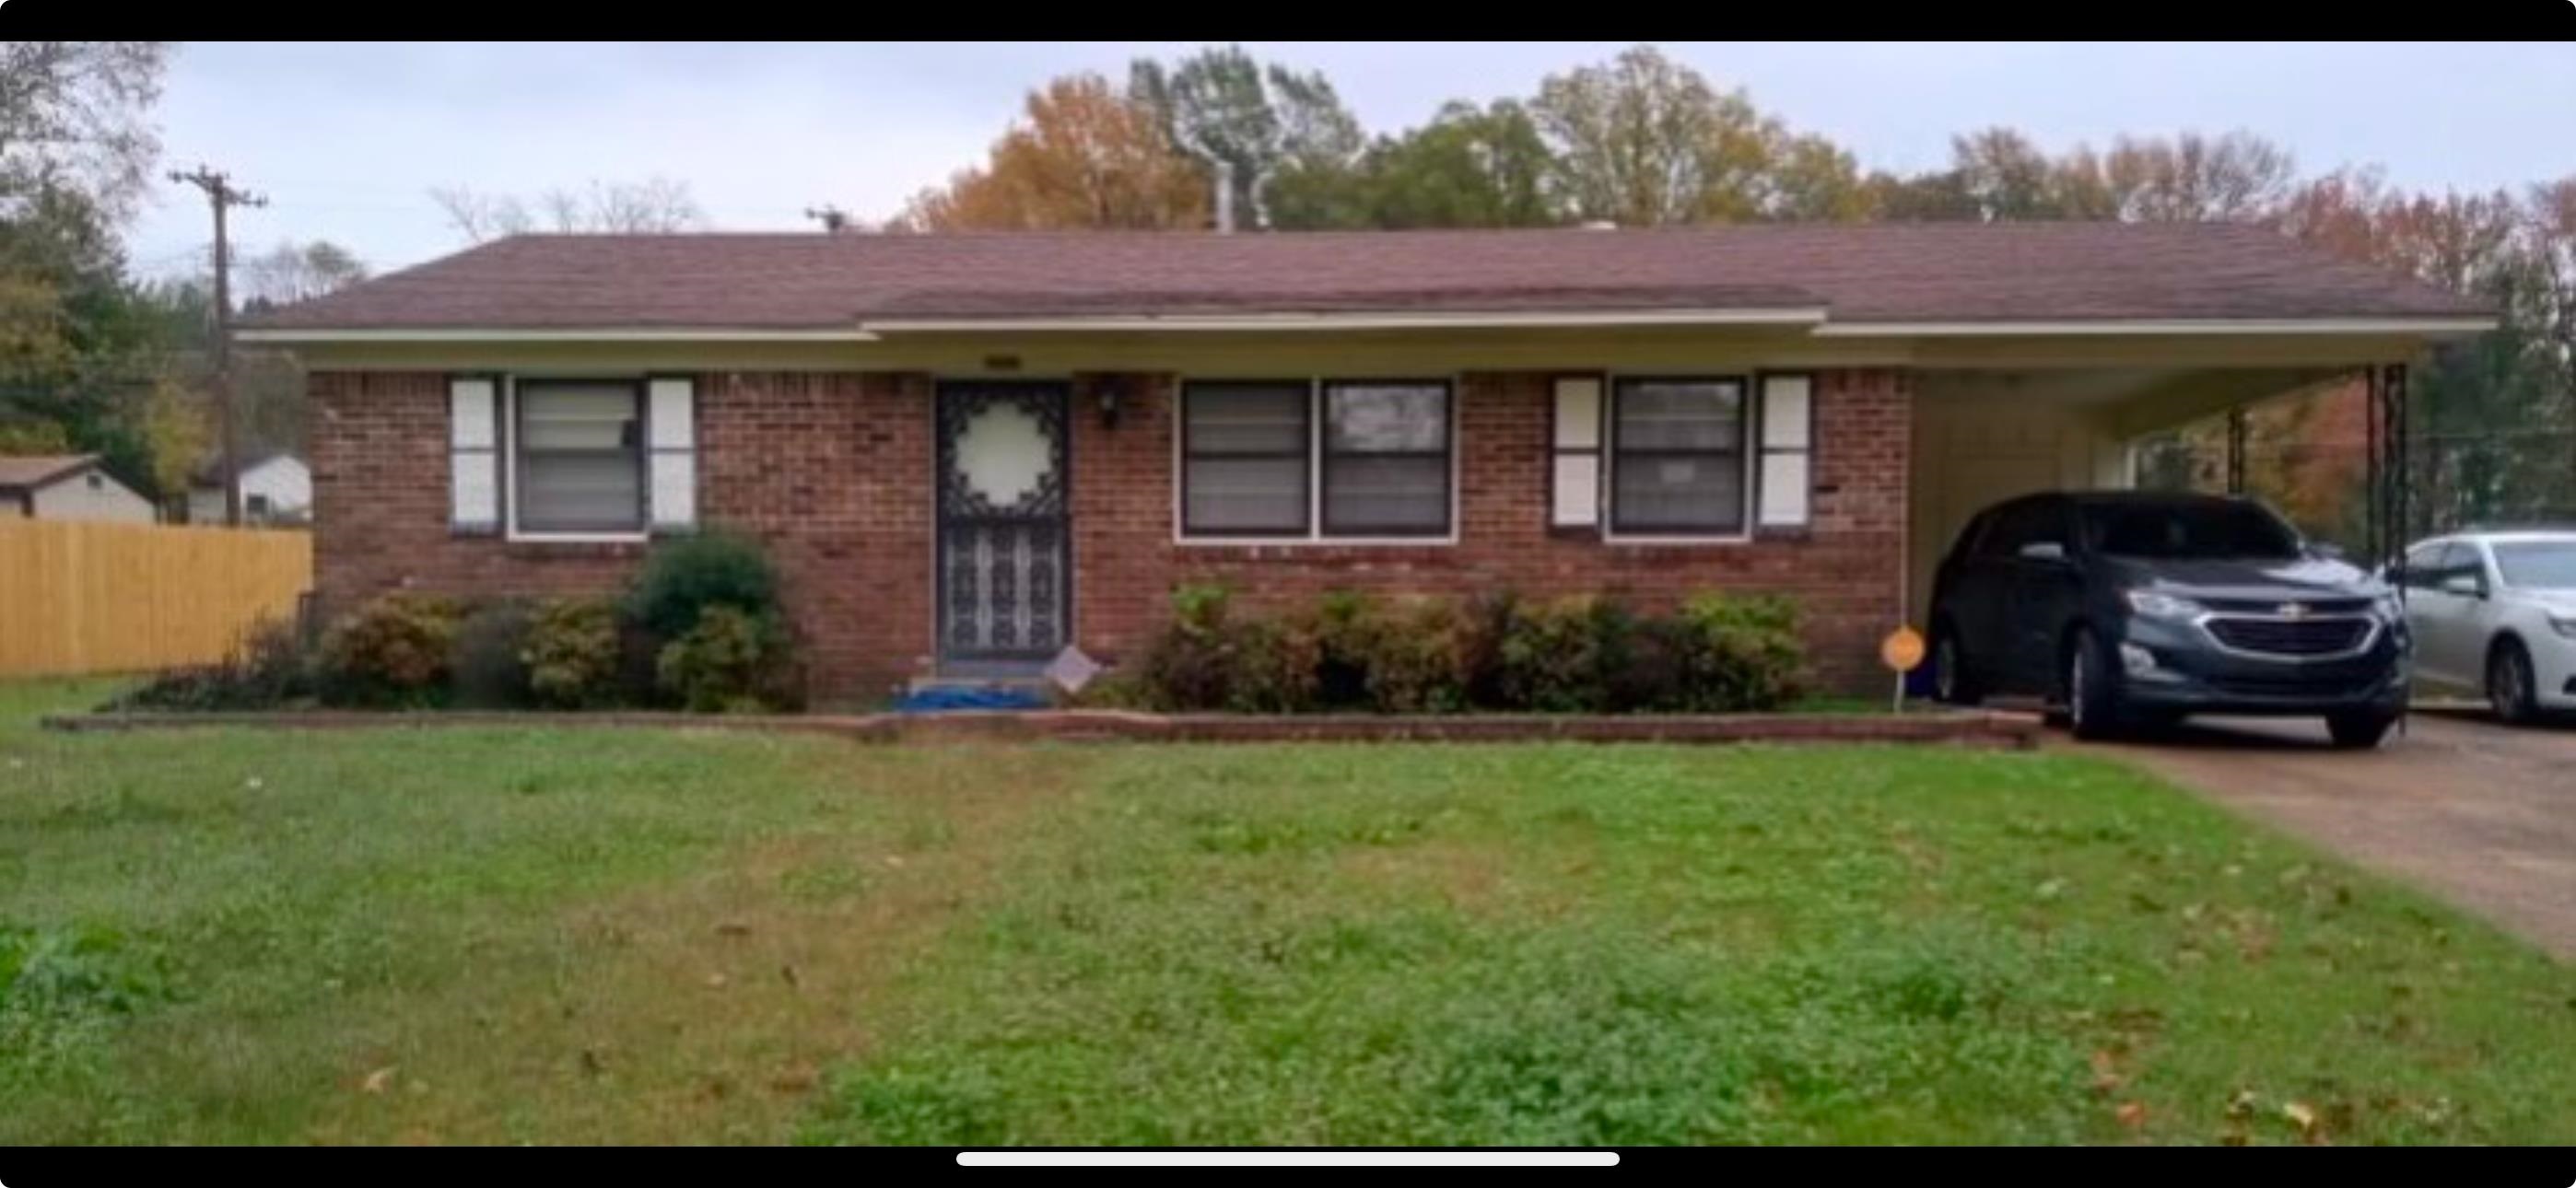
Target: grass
{"x": 529, "y": 935}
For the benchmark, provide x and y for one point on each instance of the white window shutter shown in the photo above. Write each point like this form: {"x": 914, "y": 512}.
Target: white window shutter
{"x": 1575, "y": 453}
{"x": 474, "y": 454}
{"x": 672, "y": 422}
{"x": 1788, "y": 450}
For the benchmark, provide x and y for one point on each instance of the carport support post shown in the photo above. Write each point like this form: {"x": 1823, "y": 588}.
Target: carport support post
{"x": 2390, "y": 463}
{"x": 2236, "y": 450}
{"x": 2391, "y": 474}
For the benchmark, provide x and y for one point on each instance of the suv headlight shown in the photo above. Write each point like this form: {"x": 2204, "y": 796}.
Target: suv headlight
{"x": 2161, "y": 606}
{"x": 2390, "y": 606}
{"x": 2564, "y": 625}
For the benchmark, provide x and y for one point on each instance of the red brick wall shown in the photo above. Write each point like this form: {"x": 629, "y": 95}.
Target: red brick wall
{"x": 1846, "y": 571}
{"x": 832, "y": 470}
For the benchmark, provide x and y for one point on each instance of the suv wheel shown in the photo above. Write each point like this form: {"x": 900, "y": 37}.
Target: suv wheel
{"x": 2092, "y": 698}
{"x": 1951, "y": 682}
{"x": 2509, "y": 686}
{"x": 2359, "y": 730}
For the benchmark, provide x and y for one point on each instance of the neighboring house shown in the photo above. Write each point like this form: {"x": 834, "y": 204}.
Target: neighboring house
{"x": 969, "y": 451}
{"x": 68, "y": 487}
{"x": 276, "y": 488}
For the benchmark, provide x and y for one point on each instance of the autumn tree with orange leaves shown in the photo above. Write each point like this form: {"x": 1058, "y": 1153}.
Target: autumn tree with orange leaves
{"x": 1646, "y": 139}
{"x": 1082, "y": 155}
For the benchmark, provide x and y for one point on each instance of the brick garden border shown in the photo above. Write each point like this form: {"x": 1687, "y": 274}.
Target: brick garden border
{"x": 1989, "y": 729}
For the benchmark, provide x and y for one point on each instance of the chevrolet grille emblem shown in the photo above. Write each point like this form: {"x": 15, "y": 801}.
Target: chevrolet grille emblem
{"x": 2294, "y": 610}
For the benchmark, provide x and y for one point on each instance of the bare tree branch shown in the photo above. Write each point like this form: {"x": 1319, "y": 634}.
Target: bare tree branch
{"x": 653, "y": 205}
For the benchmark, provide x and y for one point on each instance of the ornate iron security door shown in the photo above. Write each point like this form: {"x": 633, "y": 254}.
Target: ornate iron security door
{"x": 1003, "y": 557}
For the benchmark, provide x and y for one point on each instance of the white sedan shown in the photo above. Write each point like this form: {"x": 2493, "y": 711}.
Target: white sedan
{"x": 2496, "y": 612}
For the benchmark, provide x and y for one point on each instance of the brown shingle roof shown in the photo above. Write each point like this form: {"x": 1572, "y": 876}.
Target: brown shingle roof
{"x": 25, "y": 471}
{"x": 1861, "y": 273}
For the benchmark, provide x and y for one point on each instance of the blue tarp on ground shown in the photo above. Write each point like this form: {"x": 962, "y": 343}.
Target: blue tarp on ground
{"x": 940, "y": 698}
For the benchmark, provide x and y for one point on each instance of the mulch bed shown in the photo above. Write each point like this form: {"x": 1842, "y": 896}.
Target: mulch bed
{"x": 1961, "y": 728}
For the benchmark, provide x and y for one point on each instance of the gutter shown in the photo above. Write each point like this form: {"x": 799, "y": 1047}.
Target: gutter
{"x": 2447, "y": 325}
{"x": 496, "y": 334}
{"x": 1812, "y": 318}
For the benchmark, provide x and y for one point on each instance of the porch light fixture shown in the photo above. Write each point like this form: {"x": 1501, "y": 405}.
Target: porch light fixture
{"x": 1105, "y": 390}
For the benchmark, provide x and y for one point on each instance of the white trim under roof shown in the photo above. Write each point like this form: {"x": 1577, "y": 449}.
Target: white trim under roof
{"x": 1499, "y": 320}
{"x": 1812, "y": 318}
{"x": 621, "y": 334}
{"x": 2138, "y": 326}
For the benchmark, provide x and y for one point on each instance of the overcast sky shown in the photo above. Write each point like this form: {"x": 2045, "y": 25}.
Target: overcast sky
{"x": 345, "y": 141}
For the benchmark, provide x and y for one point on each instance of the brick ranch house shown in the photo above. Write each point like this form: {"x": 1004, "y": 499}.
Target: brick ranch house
{"x": 969, "y": 451}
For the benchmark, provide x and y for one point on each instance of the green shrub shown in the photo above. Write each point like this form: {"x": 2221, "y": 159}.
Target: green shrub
{"x": 1653, "y": 671}
{"x": 1579, "y": 654}
{"x": 1344, "y": 625}
{"x": 1748, "y": 654}
{"x": 572, "y": 653}
{"x": 638, "y": 679}
{"x": 395, "y": 649}
{"x": 1417, "y": 657}
{"x": 268, "y": 670}
{"x": 1207, "y": 658}
{"x": 683, "y": 577}
{"x": 488, "y": 670}
{"x": 1557, "y": 656}
{"x": 717, "y": 666}
{"x": 1485, "y": 620}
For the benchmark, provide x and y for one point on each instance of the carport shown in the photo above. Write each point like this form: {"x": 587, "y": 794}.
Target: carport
{"x": 1996, "y": 417}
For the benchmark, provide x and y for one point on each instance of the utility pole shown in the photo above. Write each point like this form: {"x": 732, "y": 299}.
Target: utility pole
{"x": 834, "y": 219}
{"x": 221, "y": 195}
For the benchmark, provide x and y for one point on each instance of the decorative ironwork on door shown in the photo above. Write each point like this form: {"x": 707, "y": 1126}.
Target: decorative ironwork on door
{"x": 1002, "y": 521}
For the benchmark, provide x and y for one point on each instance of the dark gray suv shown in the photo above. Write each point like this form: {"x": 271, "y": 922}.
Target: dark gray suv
{"x": 2134, "y": 608}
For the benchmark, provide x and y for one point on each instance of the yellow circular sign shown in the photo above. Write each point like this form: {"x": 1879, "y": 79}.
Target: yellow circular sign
{"x": 1902, "y": 650}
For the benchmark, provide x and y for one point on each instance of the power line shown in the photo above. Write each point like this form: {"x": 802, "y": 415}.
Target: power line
{"x": 222, "y": 196}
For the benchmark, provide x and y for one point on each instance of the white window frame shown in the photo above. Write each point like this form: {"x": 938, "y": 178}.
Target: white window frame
{"x": 509, "y": 454}
{"x": 1314, "y": 536}
{"x": 1747, "y": 382}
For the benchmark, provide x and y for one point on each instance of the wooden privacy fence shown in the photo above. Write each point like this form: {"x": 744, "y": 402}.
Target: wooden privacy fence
{"x": 82, "y": 597}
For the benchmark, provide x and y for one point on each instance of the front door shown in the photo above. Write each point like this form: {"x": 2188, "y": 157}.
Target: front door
{"x": 1004, "y": 558}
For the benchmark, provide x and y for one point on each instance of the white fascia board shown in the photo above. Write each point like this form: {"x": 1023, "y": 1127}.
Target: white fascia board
{"x": 2157, "y": 326}
{"x": 601, "y": 335}
{"x": 1529, "y": 319}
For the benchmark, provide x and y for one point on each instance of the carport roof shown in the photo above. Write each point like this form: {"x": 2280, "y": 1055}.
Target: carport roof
{"x": 1842, "y": 275}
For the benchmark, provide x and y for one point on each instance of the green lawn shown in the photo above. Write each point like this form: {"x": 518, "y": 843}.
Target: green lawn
{"x": 505, "y": 935}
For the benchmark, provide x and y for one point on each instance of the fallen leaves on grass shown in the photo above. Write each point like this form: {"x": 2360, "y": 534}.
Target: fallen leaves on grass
{"x": 2106, "y": 1073}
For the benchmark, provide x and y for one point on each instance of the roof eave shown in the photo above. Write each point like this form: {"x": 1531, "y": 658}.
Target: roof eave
{"x": 292, "y": 336}
{"x": 1312, "y": 320}
{"x": 1812, "y": 319}
{"x": 2430, "y": 326}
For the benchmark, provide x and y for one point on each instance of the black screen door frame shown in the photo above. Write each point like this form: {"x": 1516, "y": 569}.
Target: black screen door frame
{"x": 961, "y": 513}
